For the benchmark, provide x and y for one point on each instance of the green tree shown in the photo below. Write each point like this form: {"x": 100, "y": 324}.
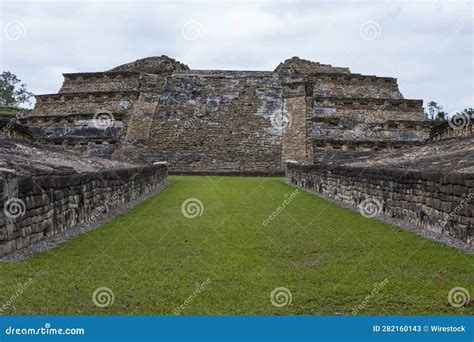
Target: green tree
{"x": 12, "y": 91}
{"x": 440, "y": 117}
{"x": 435, "y": 112}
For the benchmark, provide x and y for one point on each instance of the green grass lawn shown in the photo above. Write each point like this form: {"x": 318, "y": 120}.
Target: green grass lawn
{"x": 328, "y": 257}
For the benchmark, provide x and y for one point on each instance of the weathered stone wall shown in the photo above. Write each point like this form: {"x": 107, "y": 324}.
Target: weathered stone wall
{"x": 100, "y": 81}
{"x": 378, "y": 110}
{"x": 88, "y": 102}
{"x": 374, "y": 123}
{"x": 55, "y": 203}
{"x": 231, "y": 121}
{"x": 141, "y": 117}
{"x": 11, "y": 128}
{"x": 437, "y": 201}
{"x": 162, "y": 65}
{"x": 218, "y": 121}
{"x": 296, "y": 66}
{"x": 354, "y": 85}
{"x": 295, "y": 133}
{"x": 460, "y": 126}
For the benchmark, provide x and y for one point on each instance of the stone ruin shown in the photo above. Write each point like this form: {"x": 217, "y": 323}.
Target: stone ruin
{"x": 348, "y": 137}
{"x": 227, "y": 121}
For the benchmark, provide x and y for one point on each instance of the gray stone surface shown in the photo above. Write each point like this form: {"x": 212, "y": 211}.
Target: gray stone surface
{"x": 430, "y": 186}
{"x": 47, "y": 191}
{"x": 228, "y": 121}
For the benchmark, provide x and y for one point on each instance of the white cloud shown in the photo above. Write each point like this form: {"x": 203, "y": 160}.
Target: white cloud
{"x": 418, "y": 42}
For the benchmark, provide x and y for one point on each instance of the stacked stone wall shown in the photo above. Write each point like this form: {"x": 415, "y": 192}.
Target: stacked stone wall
{"x": 357, "y": 87}
{"x": 219, "y": 121}
{"x": 463, "y": 126}
{"x": 372, "y": 121}
{"x": 294, "y": 146}
{"x": 80, "y": 103}
{"x": 231, "y": 121}
{"x": 100, "y": 81}
{"x": 436, "y": 201}
{"x": 48, "y": 205}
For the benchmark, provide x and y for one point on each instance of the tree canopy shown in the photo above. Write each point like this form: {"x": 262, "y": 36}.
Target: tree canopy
{"x": 12, "y": 91}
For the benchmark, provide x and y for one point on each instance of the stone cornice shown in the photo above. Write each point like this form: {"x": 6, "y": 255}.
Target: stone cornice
{"x": 340, "y": 78}
{"x": 69, "y": 117}
{"x": 384, "y": 143}
{"x": 369, "y": 103}
{"x": 336, "y": 119}
{"x": 96, "y": 95}
{"x": 88, "y": 139}
{"x": 353, "y": 78}
{"x": 107, "y": 74}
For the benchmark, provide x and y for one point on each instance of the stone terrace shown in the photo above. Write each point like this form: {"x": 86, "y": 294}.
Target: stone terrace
{"x": 221, "y": 121}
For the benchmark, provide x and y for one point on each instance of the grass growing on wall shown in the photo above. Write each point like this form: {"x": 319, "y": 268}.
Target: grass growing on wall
{"x": 154, "y": 259}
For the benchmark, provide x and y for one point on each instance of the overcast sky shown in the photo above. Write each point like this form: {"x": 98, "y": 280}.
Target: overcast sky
{"x": 427, "y": 45}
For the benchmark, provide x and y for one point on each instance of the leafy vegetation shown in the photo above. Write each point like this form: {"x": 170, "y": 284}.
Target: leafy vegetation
{"x": 12, "y": 91}
{"x": 435, "y": 112}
